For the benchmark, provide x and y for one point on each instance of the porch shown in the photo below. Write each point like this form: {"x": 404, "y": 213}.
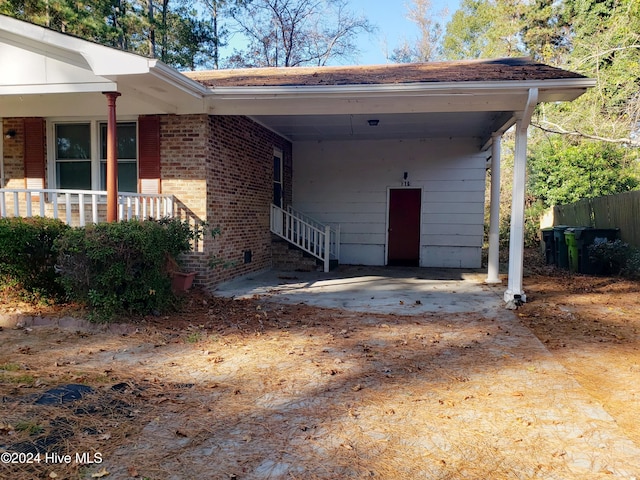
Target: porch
{"x": 81, "y": 207}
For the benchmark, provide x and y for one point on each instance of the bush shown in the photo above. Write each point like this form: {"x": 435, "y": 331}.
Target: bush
{"x": 27, "y": 254}
{"x": 632, "y": 268}
{"x": 615, "y": 258}
{"x": 121, "y": 268}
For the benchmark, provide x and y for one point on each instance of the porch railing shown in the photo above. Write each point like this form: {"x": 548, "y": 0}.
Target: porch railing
{"x": 77, "y": 207}
{"x": 321, "y": 241}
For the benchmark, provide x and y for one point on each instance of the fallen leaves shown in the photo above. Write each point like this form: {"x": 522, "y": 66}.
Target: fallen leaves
{"x": 102, "y": 473}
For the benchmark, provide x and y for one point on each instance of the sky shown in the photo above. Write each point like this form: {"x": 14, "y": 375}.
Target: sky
{"x": 393, "y": 27}
{"x": 389, "y": 16}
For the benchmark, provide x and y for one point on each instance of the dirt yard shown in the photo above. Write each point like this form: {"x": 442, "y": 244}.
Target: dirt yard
{"x": 234, "y": 389}
{"x": 592, "y": 326}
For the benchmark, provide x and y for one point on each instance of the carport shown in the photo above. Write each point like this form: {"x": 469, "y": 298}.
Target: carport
{"x": 473, "y": 102}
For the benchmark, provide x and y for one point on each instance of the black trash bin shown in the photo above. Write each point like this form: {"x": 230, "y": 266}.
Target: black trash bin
{"x": 585, "y": 237}
{"x": 549, "y": 246}
{"x": 562, "y": 257}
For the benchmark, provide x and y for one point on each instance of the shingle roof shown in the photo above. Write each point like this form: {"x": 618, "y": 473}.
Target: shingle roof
{"x": 504, "y": 69}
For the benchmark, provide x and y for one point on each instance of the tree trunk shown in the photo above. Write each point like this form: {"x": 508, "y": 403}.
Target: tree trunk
{"x": 152, "y": 29}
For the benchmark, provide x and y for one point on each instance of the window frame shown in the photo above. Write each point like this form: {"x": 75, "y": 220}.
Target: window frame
{"x": 278, "y": 154}
{"x": 94, "y": 132}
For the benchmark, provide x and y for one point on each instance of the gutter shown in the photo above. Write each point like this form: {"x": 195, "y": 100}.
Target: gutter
{"x": 427, "y": 88}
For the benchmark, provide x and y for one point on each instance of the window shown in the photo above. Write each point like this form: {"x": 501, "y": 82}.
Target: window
{"x": 277, "y": 178}
{"x": 127, "y": 154}
{"x": 73, "y": 156}
{"x": 80, "y": 155}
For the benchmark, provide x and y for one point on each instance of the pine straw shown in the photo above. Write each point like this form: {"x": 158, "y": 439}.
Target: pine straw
{"x": 248, "y": 390}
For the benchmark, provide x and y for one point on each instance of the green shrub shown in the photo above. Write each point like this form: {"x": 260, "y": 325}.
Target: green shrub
{"x": 27, "y": 255}
{"x": 121, "y": 268}
{"x": 615, "y": 258}
{"x": 632, "y": 267}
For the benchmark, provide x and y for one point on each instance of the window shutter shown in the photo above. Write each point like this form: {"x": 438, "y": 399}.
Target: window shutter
{"x": 34, "y": 157}
{"x": 149, "y": 154}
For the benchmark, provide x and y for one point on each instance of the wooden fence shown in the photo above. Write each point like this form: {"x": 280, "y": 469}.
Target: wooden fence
{"x": 613, "y": 211}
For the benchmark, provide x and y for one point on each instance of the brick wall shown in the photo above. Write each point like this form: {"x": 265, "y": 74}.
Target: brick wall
{"x": 220, "y": 168}
{"x": 13, "y": 150}
{"x": 183, "y": 144}
{"x": 13, "y": 153}
{"x": 240, "y": 191}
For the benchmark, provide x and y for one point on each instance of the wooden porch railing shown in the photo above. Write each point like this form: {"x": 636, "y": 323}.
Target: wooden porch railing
{"x": 321, "y": 241}
{"x": 77, "y": 207}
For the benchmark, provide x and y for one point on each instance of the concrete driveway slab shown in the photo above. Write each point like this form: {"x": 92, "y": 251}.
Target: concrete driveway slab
{"x": 399, "y": 290}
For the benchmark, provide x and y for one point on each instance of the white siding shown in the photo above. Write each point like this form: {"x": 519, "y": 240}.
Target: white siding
{"x": 347, "y": 183}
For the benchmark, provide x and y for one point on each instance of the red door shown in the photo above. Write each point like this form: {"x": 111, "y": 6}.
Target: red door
{"x": 404, "y": 227}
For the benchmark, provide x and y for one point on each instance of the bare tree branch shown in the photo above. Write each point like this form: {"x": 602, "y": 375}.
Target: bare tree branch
{"x": 558, "y": 129}
{"x": 586, "y": 59}
{"x": 297, "y": 32}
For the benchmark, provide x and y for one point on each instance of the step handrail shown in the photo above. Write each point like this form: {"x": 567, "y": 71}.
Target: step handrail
{"x": 335, "y": 230}
{"x": 310, "y": 236}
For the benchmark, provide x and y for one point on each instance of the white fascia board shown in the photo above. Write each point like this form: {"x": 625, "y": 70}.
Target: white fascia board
{"x": 102, "y": 60}
{"x": 411, "y": 89}
{"x": 173, "y": 77}
{"x": 107, "y": 62}
{"x": 58, "y": 88}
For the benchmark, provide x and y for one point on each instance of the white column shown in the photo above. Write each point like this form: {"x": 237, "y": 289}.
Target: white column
{"x": 515, "y": 291}
{"x": 494, "y": 212}
{"x": 2, "y": 182}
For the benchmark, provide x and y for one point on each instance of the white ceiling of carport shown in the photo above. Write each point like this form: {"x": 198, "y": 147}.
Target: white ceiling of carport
{"x": 396, "y": 125}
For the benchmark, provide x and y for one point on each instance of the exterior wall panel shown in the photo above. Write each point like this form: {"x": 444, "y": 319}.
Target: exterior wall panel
{"x": 348, "y": 182}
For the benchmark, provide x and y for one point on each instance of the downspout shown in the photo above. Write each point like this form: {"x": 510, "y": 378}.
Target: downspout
{"x": 494, "y": 212}
{"x": 515, "y": 294}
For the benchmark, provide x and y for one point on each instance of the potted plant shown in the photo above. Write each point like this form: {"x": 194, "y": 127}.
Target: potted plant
{"x": 180, "y": 281}
{"x": 180, "y": 240}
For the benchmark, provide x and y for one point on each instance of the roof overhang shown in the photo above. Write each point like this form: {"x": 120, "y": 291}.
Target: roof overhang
{"x": 49, "y": 74}
{"x": 419, "y": 110}
{"x": 45, "y": 73}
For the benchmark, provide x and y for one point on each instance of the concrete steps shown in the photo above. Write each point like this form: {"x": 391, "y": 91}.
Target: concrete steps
{"x": 286, "y": 256}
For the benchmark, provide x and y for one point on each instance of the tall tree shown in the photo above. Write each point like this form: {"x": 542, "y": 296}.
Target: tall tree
{"x": 425, "y": 48}
{"x": 76, "y": 18}
{"x": 546, "y": 31}
{"x": 289, "y": 33}
{"x": 592, "y": 152}
{"x": 189, "y": 40}
{"x": 484, "y": 29}
{"x": 218, "y": 10}
{"x": 605, "y": 41}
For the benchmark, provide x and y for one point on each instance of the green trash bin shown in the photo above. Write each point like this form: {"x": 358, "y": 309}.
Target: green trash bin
{"x": 584, "y": 238}
{"x": 573, "y": 256}
{"x": 562, "y": 258}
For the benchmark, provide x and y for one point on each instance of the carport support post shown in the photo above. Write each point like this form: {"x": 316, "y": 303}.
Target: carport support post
{"x": 514, "y": 291}
{"x": 494, "y": 212}
{"x": 327, "y": 248}
{"x": 112, "y": 158}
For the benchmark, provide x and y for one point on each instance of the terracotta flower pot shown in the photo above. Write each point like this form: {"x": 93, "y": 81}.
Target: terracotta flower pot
{"x": 181, "y": 282}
